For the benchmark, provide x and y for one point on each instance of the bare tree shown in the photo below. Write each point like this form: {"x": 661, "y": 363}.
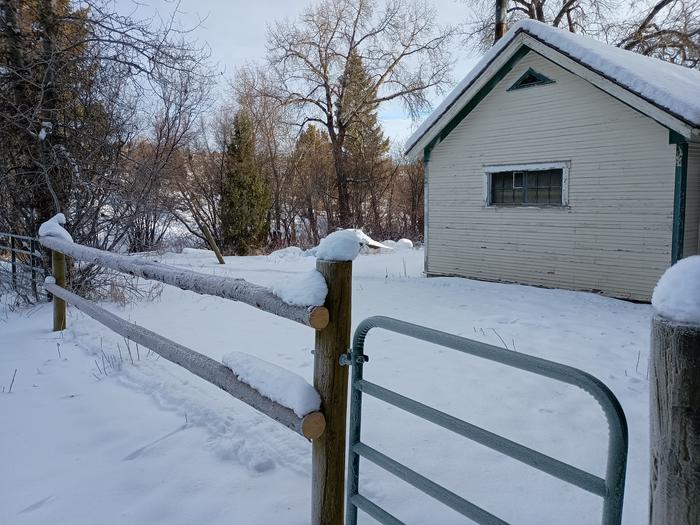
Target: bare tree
{"x": 404, "y": 51}
{"x": 666, "y": 29}
{"x": 81, "y": 91}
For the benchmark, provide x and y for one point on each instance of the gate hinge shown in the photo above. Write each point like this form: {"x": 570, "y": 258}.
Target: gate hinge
{"x": 346, "y": 359}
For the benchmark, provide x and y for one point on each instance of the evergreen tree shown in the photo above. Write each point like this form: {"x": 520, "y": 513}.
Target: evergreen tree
{"x": 366, "y": 149}
{"x": 245, "y": 197}
{"x": 314, "y": 181}
{"x": 364, "y": 134}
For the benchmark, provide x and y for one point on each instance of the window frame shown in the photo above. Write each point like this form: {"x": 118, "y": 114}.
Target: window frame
{"x": 490, "y": 169}
{"x": 542, "y": 80}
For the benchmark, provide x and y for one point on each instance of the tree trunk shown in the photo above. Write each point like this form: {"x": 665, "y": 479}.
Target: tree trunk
{"x": 341, "y": 179}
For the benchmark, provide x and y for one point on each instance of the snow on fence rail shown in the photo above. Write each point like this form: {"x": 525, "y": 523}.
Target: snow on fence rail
{"x": 226, "y": 287}
{"x": 309, "y": 425}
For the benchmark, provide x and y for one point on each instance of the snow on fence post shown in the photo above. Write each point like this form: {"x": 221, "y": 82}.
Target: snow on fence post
{"x": 334, "y": 262}
{"x": 674, "y": 386}
{"x": 58, "y": 270}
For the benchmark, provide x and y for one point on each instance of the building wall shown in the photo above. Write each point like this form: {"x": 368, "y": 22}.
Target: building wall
{"x": 615, "y": 235}
{"x": 691, "y": 242}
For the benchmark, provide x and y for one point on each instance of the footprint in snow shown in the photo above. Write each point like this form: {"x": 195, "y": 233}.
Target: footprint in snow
{"x": 35, "y": 506}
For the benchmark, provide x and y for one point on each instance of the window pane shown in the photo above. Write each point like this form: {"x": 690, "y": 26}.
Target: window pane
{"x": 518, "y": 179}
{"x": 555, "y": 195}
{"x": 537, "y": 187}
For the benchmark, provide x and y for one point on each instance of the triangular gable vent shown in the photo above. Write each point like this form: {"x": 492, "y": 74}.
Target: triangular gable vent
{"x": 529, "y": 79}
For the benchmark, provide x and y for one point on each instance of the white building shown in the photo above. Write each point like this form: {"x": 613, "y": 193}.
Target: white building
{"x": 562, "y": 161}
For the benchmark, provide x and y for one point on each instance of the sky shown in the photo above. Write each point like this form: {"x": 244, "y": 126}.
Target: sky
{"x": 234, "y": 31}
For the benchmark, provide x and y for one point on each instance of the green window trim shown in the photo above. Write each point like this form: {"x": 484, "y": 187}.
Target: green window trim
{"x": 530, "y": 78}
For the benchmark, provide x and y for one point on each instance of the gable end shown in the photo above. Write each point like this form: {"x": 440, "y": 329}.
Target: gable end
{"x": 475, "y": 100}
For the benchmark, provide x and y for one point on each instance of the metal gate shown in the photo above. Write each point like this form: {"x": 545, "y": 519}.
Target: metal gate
{"x": 611, "y": 489}
{"x": 21, "y": 266}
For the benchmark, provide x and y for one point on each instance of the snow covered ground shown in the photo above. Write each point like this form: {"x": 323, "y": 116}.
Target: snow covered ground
{"x": 153, "y": 444}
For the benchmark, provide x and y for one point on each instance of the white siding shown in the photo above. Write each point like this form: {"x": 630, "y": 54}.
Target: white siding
{"x": 691, "y": 242}
{"x": 615, "y": 235}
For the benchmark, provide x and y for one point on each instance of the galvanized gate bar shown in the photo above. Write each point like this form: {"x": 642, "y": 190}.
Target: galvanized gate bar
{"x": 10, "y": 235}
{"x": 613, "y": 489}
{"x": 16, "y": 250}
{"x": 554, "y": 467}
{"x": 24, "y": 265}
{"x": 374, "y": 510}
{"x": 440, "y": 493}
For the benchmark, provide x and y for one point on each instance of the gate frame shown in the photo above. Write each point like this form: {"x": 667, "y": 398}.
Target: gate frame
{"x": 611, "y": 489}
{"x": 35, "y": 269}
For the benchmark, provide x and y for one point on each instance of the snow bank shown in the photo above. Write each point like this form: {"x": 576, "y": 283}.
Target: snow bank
{"x": 677, "y": 294}
{"x": 276, "y": 383}
{"x": 291, "y": 252}
{"x": 53, "y": 228}
{"x": 404, "y": 244}
{"x": 670, "y": 86}
{"x": 307, "y": 289}
{"x": 343, "y": 245}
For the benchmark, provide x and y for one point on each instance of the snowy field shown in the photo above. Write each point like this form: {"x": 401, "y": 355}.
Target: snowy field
{"x": 152, "y": 444}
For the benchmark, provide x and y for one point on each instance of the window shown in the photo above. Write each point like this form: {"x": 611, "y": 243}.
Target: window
{"x": 527, "y": 185}
{"x": 530, "y": 78}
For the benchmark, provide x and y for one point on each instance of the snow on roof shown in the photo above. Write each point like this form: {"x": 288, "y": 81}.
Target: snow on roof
{"x": 674, "y": 88}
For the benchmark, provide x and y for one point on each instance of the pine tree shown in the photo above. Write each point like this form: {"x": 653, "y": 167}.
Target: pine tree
{"x": 314, "y": 181}
{"x": 245, "y": 197}
{"x": 366, "y": 149}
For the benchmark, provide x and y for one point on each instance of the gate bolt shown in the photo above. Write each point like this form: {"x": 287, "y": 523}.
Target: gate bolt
{"x": 346, "y": 359}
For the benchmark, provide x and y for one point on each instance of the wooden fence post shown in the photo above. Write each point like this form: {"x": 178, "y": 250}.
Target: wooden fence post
{"x": 675, "y": 423}
{"x": 331, "y": 382}
{"x": 58, "y": 269}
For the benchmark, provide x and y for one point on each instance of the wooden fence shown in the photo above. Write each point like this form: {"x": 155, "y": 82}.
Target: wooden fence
{"x": 325, "y": 428}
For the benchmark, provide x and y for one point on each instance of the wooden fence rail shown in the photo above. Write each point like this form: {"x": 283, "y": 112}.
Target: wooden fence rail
{"x": 202, "y": 283}
{"x": 310, "y": 426}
